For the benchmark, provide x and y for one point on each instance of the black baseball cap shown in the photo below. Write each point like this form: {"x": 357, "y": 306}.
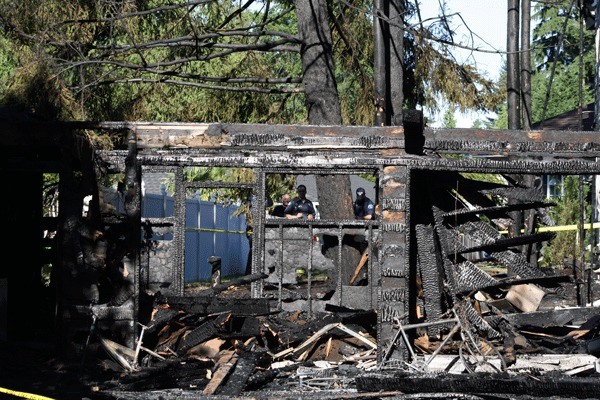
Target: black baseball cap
{"x": 360, "y": 191}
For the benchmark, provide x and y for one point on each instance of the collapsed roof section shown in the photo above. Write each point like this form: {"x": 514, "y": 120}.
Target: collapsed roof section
{"x": 417, "y": 270}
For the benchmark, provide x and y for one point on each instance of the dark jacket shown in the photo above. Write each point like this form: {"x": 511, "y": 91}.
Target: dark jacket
{"x": 296, "y": 206}
{"x": 364, "y": 207}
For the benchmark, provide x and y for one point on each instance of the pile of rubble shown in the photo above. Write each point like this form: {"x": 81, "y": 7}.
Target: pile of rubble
{"x": 220, "y": 344}
{"x": 230, "y": 346}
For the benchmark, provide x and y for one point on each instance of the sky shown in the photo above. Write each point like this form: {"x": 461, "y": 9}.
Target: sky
{"x": 487, "y": 19}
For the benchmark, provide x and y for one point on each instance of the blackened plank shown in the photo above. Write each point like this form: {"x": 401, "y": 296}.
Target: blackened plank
{"x": 580, "y": 387}
{"x": 238, "y": 378}
{"x": 198, "y": 335}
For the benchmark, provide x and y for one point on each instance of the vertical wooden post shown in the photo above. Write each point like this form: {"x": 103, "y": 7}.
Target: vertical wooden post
{"x": 379, "y": 67}
{"x": 512, "y": 64}
{"x": 526, "y": 64}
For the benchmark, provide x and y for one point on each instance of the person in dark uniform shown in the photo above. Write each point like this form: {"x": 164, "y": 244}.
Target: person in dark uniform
{"x": 279, "y": 210}
{"x": 300, "y": 207}
{"x": 363, "y": 206}
{"x": 364, "y": 209}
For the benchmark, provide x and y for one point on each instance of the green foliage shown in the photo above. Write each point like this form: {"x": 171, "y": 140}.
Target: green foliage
{"x": 476, "y": 176}
{"x": 122, "y": 68}
{"x": 488, "y": 123}
{"x": 502, "y": 121}
{"x": 461, "y": 85}
{"x": 448, "y": 120}
{"x": 440, "y": 78}
{"x": 565, "y": 246}
{"x": 556, "y": 45}
{"x": 276, "y": 185}
{"x": 564, "y": 95}
{"x": 8, "y": 64}
{"x": 142, "y": 60}
{"x": 353, "y": 41}
{"x": 553, "y": 41}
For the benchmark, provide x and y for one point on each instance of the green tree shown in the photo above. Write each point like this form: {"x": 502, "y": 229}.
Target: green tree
{"x": 487, "y": 123}
{"x": 148, "y": 60}
{"x": 448, "y": 120}
{"x": 212, "y": 61}
{"x": 439, "y": 79}
{"x": 556, "y": 48}
{"x": 565, "y": 245}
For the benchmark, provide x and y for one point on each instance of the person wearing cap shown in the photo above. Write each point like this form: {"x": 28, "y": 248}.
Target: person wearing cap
{"x": 364, "y": 208}
{"x": 300, "y": 207}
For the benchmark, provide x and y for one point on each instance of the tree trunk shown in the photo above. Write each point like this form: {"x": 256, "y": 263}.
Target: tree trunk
{"x": 512, "y": 65}
{"x": 388, "y": 70}
{"x": 329, "y": 188}
{"x": 323, "y": 105}
{"x": 526, "y": 64}
{"x": 396, "y": 73}
{"x": 379, "y": 76}
{"x": 318, "y": 70}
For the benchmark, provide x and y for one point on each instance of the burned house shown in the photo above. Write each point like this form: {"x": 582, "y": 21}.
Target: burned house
{"x": 426, "y": 257}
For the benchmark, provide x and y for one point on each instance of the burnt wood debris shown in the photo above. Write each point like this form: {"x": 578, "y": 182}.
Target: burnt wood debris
{"x": 445, "y": 298}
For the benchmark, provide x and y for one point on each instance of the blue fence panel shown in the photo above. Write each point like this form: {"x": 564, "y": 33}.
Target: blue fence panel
{"x": 222, "y": 239}
{"x": 192, "y": 209}
{"x": 152, "y": 206}
{"x": 197, "y": 259}
{"x": 237, "y": 259}
{"x": 211, "y": 230}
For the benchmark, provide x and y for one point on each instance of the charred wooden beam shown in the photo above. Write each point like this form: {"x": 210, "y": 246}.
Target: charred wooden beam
{"x": 179, "y": 135}
{"x": 518, "y": 264}
{"x": 160, "y": 318}
{"x": 476, "y": 320}
{"x": 414, "y": 124}
{"x": 526, "y": 143}
{"x": 206, "y": 305}
{"x": 234, "y": 282}
{"x": 365, "y": 318}
{"x": 506, "y": 243}
{"x": 560, "y": 317}
{"x": 478, "y": 232}
{"x": 518, "y": 193}
{"x": 495, "y": 384}
{"x": 236, "y": 382}
{"x": 198, "y": 335}
{"x": 431, "y": 266}
{"x": 446, "y": 251}
{"x": 485, "y": 284}
{"x": 243, "y": 327}
{"x": 495, "y": 211}
{"x": 470, "y": 278}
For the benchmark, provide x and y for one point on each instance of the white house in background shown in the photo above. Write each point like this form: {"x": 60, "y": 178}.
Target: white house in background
{"x": 154, "y": 182}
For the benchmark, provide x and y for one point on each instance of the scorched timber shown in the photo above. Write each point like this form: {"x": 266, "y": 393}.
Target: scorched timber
{"x": 479, "y": 383}
{"x": 207, "y": 305}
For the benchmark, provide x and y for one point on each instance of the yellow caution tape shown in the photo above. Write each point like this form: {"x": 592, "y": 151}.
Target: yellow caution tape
{"x": 215, "y": 230}
{"x": 560, "y": 228}
{"x": 24, "y": 395}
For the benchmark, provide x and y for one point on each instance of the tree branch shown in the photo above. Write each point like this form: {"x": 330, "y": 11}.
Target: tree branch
{"x": 202, "y": 86}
